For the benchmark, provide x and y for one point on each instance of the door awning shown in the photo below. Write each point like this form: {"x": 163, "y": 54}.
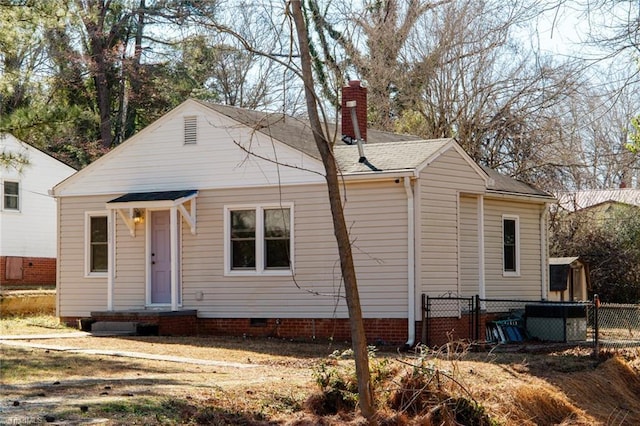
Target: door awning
{"x": 155, "y": 200}
{"x": 149, "y": 200}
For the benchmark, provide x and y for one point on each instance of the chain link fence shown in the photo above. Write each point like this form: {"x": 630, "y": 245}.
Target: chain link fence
{"x": 618, "y": 325}
{"x": 509, "y": 321}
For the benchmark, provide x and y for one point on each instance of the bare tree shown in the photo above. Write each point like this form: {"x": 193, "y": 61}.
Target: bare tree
{"x": 358, "y": 337}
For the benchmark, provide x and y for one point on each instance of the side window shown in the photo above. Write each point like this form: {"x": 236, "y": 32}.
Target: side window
{"x": 511, "y": 243}
{"x": 96, "y": 236}
{"x": 11, "y": 195}
{"x": 258, "y": 240}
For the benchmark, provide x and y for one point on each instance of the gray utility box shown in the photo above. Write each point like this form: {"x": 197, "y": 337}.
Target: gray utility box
{"x": 556, "y": 322}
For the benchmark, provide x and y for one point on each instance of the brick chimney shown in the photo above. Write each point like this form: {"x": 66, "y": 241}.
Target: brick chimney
{"x": 354, "y": 91}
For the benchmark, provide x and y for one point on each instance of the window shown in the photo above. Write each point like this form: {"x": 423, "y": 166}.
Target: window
{"x": 96, "y": 235}
{"x": 511, "y": 242}
{"x": 11, "y": 199}
{"x": 259, "y": 240}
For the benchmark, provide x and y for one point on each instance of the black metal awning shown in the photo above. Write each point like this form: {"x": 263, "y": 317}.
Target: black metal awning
{"x": 137, "y": 197}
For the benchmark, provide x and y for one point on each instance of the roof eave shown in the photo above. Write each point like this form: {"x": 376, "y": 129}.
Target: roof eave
{"x": 521, "y": 196}
{"x": 383, "y": 174}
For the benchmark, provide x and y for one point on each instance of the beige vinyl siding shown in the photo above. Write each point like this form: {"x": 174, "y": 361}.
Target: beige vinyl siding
{"x": 380, "y": 254}
{"x": 528, "y": 284}
{"x": 379, "y": 250}
{"x": 469, "y": 262}
{"x": 129, "y": 286}
{"x": 439, "y": 185}
{"x": 77, "y": 295}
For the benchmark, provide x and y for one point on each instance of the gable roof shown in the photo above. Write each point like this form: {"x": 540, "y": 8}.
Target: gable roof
{"x": 578, "y": 200}
{"x": 385, "y": 152}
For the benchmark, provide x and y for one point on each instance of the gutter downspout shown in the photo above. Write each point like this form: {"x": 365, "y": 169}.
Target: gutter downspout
{"x": 544, "y": 250}
{"x": 411, "y": 274}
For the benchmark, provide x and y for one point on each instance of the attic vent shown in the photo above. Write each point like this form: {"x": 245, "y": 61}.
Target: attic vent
{"x": 190, "y": 129}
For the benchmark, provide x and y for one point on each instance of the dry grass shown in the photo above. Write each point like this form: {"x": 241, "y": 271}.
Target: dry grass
{"x": 565, "y": 388}
{"x": 33, "y": 324}
{"x": 27, "y": 302}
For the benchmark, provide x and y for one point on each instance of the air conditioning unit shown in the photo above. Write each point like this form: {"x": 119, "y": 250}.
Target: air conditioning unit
{"x": 556, "y": 322}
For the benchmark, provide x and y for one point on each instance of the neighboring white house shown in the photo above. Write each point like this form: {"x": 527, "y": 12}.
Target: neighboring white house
{"x": 28, "y": 214}
{"x": 221, "y": 214}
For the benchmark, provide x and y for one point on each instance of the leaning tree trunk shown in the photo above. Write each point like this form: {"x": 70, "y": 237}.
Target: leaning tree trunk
{"x": 358, "y": 338}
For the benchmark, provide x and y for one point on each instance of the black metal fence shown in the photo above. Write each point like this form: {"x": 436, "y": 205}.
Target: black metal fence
{"x": 505, "y": 321}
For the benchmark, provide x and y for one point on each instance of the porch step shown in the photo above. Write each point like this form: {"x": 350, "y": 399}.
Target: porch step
{"x": 114, "y": 328}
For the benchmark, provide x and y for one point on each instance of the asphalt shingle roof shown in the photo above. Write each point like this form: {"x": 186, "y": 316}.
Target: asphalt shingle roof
{"x": 407, "y": 155}
{"x": 383, "y": 150}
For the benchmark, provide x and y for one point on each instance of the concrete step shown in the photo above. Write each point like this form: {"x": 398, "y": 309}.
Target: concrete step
{"x": 114, "y": 328}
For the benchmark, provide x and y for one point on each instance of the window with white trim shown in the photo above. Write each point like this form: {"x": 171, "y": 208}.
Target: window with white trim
{"x": 258, "y": 239}
{"x": 11, "y": 195}
{"x": 511, "y": 245}
{"x": 96, "y": 250}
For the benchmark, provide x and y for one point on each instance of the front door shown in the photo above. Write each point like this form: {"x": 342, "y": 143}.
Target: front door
{"x": 160, "y": 257}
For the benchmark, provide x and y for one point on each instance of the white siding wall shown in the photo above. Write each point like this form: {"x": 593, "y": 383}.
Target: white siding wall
{"x": 528, "y": 284}
{"x": 30, "y": 232}
{"x": 439, "y": 186}
{"x": 157, "y": 159}
{"x": 380, "y": 253}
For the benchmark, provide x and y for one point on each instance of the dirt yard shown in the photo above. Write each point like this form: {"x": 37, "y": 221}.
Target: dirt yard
{"x": 228, "y": 381}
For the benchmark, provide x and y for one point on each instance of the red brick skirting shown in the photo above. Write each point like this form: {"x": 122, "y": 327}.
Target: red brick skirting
{"x": 379, "y": 331}
{"x": 32, "y": 271}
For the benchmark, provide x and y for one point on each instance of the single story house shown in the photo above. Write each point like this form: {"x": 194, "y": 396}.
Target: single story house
{"x": 28, "y": 214}
{"x": 216, "y": 220}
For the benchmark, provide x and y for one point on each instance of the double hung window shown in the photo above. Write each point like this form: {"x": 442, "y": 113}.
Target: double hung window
{"x": 11, "y": 195}
{"x": 511, "y": 245}
{"x": 96, "y": 236}
{"x": 259, "y": 239}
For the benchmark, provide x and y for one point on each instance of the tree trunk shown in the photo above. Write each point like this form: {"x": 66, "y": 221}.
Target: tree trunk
{"x": 99, "y": 65}
{"x": 358, "y": 337}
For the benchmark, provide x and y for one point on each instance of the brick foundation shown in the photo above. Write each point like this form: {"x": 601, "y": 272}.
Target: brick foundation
{"x": 381, "y": 331}
{"x": 34, "y": 271}
{"x": 378, "y": 331}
